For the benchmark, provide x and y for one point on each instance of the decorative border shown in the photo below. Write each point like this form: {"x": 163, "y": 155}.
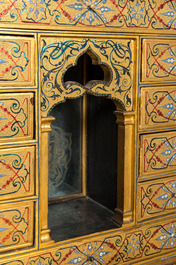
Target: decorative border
{"x": 119, "y": 249}
{"x": 118, "y": 14}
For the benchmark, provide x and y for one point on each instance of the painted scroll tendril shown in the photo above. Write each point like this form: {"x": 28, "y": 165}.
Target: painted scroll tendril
{"x": 57, "y": 57}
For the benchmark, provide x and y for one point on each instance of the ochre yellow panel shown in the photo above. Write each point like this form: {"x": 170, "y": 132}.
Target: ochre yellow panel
{"x": 158, "y": 60}
{"x": 16, "y": 116}
{"x": 157, "y": 154}
{"x": 58, "y": 54}
{"x": 16, "y": 225}
{"x": 156, "y": 198}
{"x": 17, "y": 176}
{"x": 17, "y": 61}
{"x": 157, "y": 107}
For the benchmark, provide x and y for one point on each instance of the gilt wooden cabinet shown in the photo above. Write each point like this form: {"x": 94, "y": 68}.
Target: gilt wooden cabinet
{"x": 87, "y": 114}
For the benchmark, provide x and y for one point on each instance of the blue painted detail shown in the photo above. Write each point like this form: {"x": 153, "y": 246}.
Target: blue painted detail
{"x": 168, "y": 197}
{"x": 2, "y": 61}
{"x": 170, "y": 60}
{"x": 168, "y": 236}
{"x": 2, "y": 175}
{"x": 2, "y": 229}
{"x": 77, "y": 260}
{"x": 92, "y": 11}
{"x": 137, "y": 13}
{"x": 169, "y": 14}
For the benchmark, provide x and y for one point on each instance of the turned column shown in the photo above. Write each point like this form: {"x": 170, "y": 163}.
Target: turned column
{"x": 126, "y": 165}
{"x": 45, "y": 129}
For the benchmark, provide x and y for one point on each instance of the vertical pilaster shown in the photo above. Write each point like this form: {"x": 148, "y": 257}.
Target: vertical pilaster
{"x": 45, "y": 129}
{"x": 125, "y": 178}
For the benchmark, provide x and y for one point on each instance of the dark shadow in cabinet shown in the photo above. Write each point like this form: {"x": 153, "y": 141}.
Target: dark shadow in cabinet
{"x": 82, "y": 202}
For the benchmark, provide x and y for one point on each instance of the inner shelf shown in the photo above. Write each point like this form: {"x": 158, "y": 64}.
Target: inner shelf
{"x": 78, "y": 217}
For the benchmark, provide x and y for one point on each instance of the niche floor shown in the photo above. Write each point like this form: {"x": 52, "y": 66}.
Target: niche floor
{"x": 78, "y": 217}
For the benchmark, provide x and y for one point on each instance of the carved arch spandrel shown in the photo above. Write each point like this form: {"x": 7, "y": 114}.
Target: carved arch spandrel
{"x": 59, "y": 54}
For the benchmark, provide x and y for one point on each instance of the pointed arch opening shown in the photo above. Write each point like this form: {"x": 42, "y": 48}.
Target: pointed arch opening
{"x": 86, "y": 185}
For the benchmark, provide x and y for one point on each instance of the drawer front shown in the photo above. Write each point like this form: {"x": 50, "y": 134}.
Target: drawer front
{"x": 17, "y": 172}
{"x": 16, "y": 116}
{"x": 158, "y": 60}
{"x": 158, "y": 107}
{"x": 157, "y": 154}
{"x": 16, "y": 61}
{"x": 156, "y": 198}
{"x": 16, "y": 225}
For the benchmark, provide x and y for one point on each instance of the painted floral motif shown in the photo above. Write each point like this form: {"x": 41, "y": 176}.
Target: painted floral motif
{"x": 170, "y": 13}
{"x": 119, "y": 14}
{"x": 156, "y": 198}
{"x": 91, "y": 12}
{"x": 39, "y": 10}
{"x": 58, "y": 56}
{"x": 168, "y": 236}
{"x": 14, "y": 116}
{"x": 160, "y": 61}
{"x": 160, "y": 107}
{"x": 14, "y": 227}
{"x": 138, "y": 13}
{"x": 133, "y": 245}
{"x": 160, "y": 153}
{"x": 15, "y": 61}
{"x": 16, "y": 172}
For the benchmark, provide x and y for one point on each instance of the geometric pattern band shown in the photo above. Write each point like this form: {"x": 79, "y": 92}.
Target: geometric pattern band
{"x": 136, "y": 14}
{"x": 121, "y": 248}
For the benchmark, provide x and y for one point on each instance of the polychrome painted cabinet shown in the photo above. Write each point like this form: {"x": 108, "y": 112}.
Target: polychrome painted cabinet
{"x": 87, "y": 132}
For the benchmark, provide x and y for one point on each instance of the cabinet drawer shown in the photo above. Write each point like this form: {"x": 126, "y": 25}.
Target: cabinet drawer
{"x": 17, "y": 61}
{"x": 157, "y": 154}
{"x": 156, "y": 198}
{"x": 158, "y": 107}
{"x": 16, "y": 225}
{"x": 17, "y": 172}
{"x": 16, "y": 116}
{"x": 158, "y": 60}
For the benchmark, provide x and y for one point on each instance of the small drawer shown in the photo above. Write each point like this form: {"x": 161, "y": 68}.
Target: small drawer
{"x": 16, "y": 116}
{"x": 158, "y": 60}
{"x": 16, "y": 225}
{"x": 17, "y": 61}
{"x": 156, "y": 198}
{"x": 157, "y": 154}
{"x": 158, "y": 107}
{"x": 17, "y": 167}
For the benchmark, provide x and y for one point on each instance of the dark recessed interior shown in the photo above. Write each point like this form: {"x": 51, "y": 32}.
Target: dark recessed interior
{"x": 68, "y": 217}
{"x": 86, "y": 64}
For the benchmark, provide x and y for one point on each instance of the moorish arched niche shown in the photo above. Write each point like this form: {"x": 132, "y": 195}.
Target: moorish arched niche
{"x": 57, "y": 57}
{"x": 116, "y": 59}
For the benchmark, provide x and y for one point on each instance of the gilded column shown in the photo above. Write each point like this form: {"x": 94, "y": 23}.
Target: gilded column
{"x": 45, "y": 129}
{"x": 126, "y": 165}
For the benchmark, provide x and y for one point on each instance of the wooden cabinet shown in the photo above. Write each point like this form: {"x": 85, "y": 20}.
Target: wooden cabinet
{"x": 64, "y": 51}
